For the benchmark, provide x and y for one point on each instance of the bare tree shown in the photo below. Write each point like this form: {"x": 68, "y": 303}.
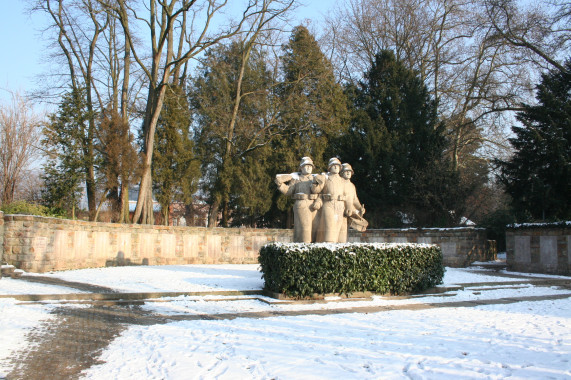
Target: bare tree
{"x": 177, "y": 31}
{"x": 78, "y": 25}
{"x": 540, "y": 34}
{"x": 256, "y": 138}
{"x": 90, "y": 50}
{"x": 20, "y": 131}
{"x": 473, "y": 77}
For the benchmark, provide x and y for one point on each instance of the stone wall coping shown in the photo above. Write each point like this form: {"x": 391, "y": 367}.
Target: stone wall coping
{"x": 417, "y": 229}
{"x": 53, "y": 220}
{"x": 553, "y": 225}
{"x": 70, "y": 222}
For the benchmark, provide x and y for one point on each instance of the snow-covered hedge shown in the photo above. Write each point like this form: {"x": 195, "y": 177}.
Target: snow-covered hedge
{"x": 302, "y": 270}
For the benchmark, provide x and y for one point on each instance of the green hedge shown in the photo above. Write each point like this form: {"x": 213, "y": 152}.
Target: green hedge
{"x": 301, "y": 270}
{"x": 27, "y": 208}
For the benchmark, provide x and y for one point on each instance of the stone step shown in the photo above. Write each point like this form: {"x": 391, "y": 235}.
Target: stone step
{"x": 17, "y": 273}
{"x": 495, "y": 265}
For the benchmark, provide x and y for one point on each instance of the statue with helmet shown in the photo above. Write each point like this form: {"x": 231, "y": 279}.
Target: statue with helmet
{"x": 354, "y": 210}
{"x": 331, "y": 189}
{"x": 298, "y": 186}
{"x": 325, "y": 204}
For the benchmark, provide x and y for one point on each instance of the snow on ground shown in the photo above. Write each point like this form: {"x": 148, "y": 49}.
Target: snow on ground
{"x": 10, "y": 286}
{"x": 168, "y": 278}
{"x": 204, "y": 305}
{"x": 196, "y": 278}
{"x": 16, "y": 319}
{"x": 519, "y": 340}
{"x": 529, "y": 340}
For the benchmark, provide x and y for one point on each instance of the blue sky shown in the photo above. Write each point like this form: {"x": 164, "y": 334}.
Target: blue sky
{"x": 21, "y": 43}
{"x": 21, "y": 47}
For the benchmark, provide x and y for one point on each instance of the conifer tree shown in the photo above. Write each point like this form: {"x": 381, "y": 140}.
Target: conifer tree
{"x": 313, "y": 112}
{"x": 120, "y": 162}
{"x": 71, "y": 160}
{"x": 313, "y": 106}
{"x": 175, "y": 169}
{"x": 396, "y": 146}
{"x": 537, "y": 176}
{"x": 234, "y": 122}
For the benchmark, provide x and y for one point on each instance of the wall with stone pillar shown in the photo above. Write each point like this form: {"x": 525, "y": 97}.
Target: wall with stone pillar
{"x": 539, "y": 248}
{"x": 39, "y": 244}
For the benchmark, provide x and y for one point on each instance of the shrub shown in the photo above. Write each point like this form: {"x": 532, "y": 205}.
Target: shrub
{"x": 25, "y": 208}
{"x": 301, "y": 270}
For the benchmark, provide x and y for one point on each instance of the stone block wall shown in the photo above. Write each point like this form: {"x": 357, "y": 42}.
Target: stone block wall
{"x": 539, "y": 248}
{"x": 39, "y": 244}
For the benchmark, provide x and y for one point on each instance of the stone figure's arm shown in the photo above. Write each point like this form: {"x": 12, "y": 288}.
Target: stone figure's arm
{"x": 318, "y": 184}
{"x": 285, "y": 189}
{"x": 357, "y": 205}
{"x": 316, "y": 205}
{"x": 348, "y": 193}
{"x": 285, "y": 183}
{"x": 282, "y": 178}
{"x": 289, "y": 188}
{"x": 352, "y": 204}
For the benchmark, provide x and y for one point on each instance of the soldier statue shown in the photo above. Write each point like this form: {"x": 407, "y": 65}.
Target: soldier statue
{"x": 298, "y": 186}
{"x": 354, "y": 210}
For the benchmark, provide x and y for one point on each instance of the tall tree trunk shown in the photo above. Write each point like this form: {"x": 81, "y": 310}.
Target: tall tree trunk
{"x": 144, "y": 209}
{"x": 124, "y": 215}
{"x": 166, "y": 212}
{"x": 225, "y": 214}
{"x": 90, "y": 186}
{"x": 125, "y": 177}
{"x": 213, "y": 215}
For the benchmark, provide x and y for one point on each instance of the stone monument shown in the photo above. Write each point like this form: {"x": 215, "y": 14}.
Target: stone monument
{"x": 326, "y": 204}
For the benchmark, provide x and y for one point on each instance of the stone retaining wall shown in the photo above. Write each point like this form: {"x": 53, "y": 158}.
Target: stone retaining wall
{"x": 539, "y": 248}
{"x": 460, "y": 246}
{"x": 39, "y": 244}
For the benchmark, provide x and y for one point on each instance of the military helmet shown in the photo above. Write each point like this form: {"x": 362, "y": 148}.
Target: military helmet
{"x": 333, "y": 161}
{"x": 306, "y": 161}
{"x": 347, "y": 168}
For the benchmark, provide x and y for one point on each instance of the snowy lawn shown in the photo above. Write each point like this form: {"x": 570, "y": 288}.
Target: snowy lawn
{"x": 196, "y": 278}
{"x": 519, "y": 340}
{"x": 526, "y": 340}
{"x": 168, "y": 278}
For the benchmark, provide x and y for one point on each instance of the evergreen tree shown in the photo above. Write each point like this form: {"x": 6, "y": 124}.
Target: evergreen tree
{"x": 396, "y": 146}
{"x": 537, "y": 176}
{"x": 313, "y": 106}
{"x": 175, "y": 169}
{"x": 231, "y": 99}
{"x": 313, "y": 112}
{"x": 69, "y": 162}
{"x": 120, "y": 162}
